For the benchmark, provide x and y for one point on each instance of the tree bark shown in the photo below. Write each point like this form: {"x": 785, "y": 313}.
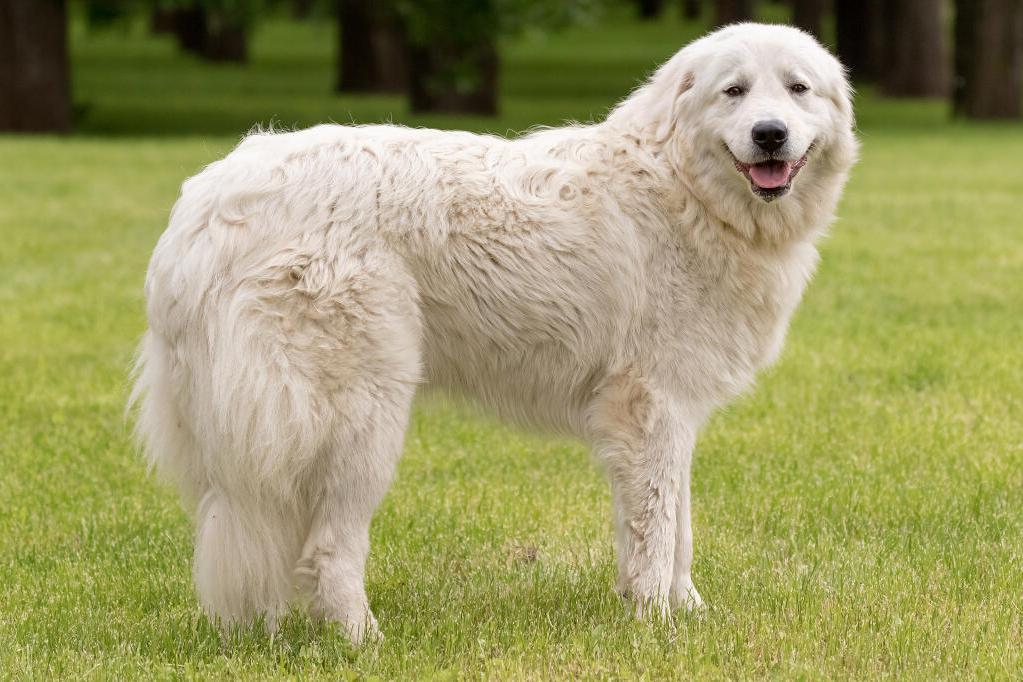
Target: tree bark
{"x": 988, "y": 59}
{"x": 809, "y": 15}
{"x": 459, "y": 80}
{"x": 731, "y": 11}
{"x": 916, "y": 49}
{"x": 649, "y": 9}
{"x": 692, "y": 9}
{"x": 372, "y": 56}
{"x": 35, "y": 83}
{"x": 859, "y": 37}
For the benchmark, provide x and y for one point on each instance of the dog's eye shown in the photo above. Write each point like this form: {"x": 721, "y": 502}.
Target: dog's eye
{"x": 735, "y": 91}
{"x": 798, "y": 88}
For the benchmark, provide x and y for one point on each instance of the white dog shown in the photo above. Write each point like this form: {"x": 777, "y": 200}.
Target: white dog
{"x": 616, "y": 281}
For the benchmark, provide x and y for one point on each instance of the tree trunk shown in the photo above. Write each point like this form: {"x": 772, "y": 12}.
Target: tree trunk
{"x": 302, "y": 9}
{"x": 190, "y": 27}
{"x": 372, "y": 54}
{"x": 916, "y": 49}
{"x": 692, "y": 9}
{"x": 988, "y": 59}
{"x": 859, "y": 37}
{"x": 162, "y": 19}
{"x": 731, "y": 11}
{"x": 809, "y": 15}
{"x": 213, "y": 35}
{"x": 649, "y": 9}
{"x": 35, "y": 83}
{"x": 226, "y": 40}
{"x": 454, "y": 80}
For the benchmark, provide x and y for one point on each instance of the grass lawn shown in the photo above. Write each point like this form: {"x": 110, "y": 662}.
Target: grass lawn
{"x": 858, "y": 515}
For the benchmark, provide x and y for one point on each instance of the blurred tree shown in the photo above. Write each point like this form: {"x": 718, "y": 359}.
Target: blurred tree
{"x": 302, "y": 9}
{"x": 809, "y": 15}
{"x": 372, "y": 52}
{"x": 104, "y": 13}
{"x": 988, "y": 58}
{"x": 692, "y": 9}
{"x": 216, "y": 30}
{"x": 453, "y": 58}
{"x": 916, "y": 56}
{"x": 188, "y": 23}
{"x": 650, "y": 9}
{"x": 35, "y": 84}
{"x": 162, "y": 19}
{"x": 731, "y": 11}
{"x": 227, "y": 30}
{"x": 858, "y": 37}
{"x": 456, "y": 71}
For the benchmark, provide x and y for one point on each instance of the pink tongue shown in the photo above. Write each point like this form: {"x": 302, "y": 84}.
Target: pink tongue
{"x": 770, "y": 174}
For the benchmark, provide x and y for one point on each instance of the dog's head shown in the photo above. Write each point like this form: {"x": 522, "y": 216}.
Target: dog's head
{"x": 757, "y": 120}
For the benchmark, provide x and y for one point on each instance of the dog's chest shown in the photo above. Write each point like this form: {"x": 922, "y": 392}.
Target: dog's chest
{"x": 728, "y": 319}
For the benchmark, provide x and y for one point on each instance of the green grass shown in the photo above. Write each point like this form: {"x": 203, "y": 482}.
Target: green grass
{"x": 858, "y": 515}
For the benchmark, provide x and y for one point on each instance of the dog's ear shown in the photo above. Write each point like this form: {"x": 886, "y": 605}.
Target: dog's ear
{"x": 654, "y": 106}
{"x": 840, "y": 92}
{"x": 843, "y": 97}
{"x": 670, "y": 115}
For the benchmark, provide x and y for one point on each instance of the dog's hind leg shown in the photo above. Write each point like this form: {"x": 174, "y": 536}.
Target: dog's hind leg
{"x": 644, "y": 447}
{"x": 375, "y": 356}
{"x": 315, "y": 358}
{"x": 355, "y": 476}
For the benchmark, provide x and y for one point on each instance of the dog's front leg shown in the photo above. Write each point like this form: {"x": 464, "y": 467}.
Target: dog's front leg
{"x": 646, "y": 448}
{"x": 683, "y": 591}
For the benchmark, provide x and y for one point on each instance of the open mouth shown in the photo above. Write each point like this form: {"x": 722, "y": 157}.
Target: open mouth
{"x": 772, "y": 178}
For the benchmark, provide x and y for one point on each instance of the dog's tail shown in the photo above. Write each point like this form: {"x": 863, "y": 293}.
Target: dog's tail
{"x": 161, "y": 430}
{"x": 247, "y": 541}
{"x": 244, "y": 561}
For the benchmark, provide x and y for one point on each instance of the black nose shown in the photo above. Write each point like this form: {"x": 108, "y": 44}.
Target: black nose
{"x": 770, "y": 135}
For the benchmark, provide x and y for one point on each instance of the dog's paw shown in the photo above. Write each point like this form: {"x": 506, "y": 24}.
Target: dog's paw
{"x": 652, "y": 609}
{"x": 357, "y": 624}
{"x": 685, "y": 596}
{"x": 363, "y": 630}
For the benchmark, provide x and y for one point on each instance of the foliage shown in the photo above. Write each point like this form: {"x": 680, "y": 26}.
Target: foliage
{"x": 243, "y": 12}
{"x": 103, "y": 13}
{"x": 469, "y": 21}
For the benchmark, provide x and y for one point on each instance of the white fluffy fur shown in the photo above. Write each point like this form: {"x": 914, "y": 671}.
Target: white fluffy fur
{"x": 616, "y": 281}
